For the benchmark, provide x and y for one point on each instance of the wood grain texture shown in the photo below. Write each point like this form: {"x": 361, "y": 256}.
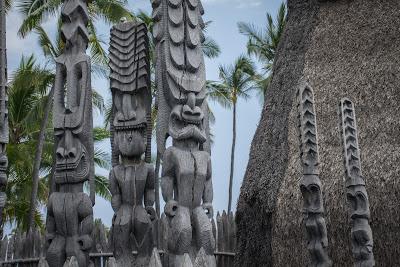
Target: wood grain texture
{"x": 69, "y": 220}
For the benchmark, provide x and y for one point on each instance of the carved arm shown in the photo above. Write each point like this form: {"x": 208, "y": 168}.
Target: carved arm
{"x": 208, "y": 193}
{"x": 50, "y": 221}
{"x": 167, "y": 184}
{"x": 115, "y": 192}
{"x": 167, "y": 177}
{"x": 150, "y": 195}
{"x": 85, "y": 213}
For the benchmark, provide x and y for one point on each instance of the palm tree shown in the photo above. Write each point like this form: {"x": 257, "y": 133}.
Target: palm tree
{"x": 236, "y": 81}
{"x": 263, "y": 44}
{"x": 3, "y": 76}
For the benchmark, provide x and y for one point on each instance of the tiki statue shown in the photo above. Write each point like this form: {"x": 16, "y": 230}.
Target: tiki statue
{"x": 131, "y": 178}
{"x": 69, "y": 213}
{"x": 357, "y": 197}
{"x": 182, "y": 115}
{"x": 310, "y": 185}
{"x": 3, "y": 111}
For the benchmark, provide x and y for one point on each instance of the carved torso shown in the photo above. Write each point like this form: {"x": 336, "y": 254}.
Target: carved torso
{"x": 132, "y": 182}
{"x": 190, "y": 169}
{"x": 68, "y": 210}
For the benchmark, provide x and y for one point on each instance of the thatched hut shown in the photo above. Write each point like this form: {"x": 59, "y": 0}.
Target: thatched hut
{"x": 342, "y": 48}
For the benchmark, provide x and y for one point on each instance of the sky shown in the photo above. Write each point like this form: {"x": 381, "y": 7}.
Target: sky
{"x": 224, "y": 14}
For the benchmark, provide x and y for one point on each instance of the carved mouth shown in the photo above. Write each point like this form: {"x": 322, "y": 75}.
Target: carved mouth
{"x": 138, "y": 126}
{"x": 73, "y": 171}
{"x": 184, "y": 127}
{"x": 122, "y": 124}
{"x": 3, "y": 163}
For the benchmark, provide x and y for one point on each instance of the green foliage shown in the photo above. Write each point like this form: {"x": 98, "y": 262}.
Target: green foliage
{"x": 236, "y": 81}
{"x": 263, "y": 44}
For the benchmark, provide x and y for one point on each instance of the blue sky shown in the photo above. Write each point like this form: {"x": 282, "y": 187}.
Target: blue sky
{"x": 225, "y": 15}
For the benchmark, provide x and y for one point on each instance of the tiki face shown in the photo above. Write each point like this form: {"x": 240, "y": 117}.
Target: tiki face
{"x": 187, "y": 121}
{"x": 72, "y": 165}
{"x": 130, "y": 143}
{"x": 130, "y": 110}
{"x": 311, "y": 190}
{"x": 130, "y": 121}
{"x": 358, "y": 199}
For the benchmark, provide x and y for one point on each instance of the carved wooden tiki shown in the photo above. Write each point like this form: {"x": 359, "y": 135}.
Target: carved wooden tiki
{"x": 182, "y": 115}
{"x": 310, "y": 185}
{"x": 357, "y": 197}
{"x": 131, "y": 178}
{"x": 3, "y": 111}
{"x": 70, "y": 215}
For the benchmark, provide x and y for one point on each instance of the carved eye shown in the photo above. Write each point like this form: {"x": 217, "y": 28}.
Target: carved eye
{"x": 352, "y": 200}
{"x": 361, "y": 200}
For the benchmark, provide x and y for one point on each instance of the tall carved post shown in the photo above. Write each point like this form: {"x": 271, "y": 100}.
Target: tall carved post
{"x": 69, "y": 213}
{"x": 357, "y": 197}
{"x": 3, "y": 113}
{"x": 182, "y": 115}
{"x": 131, "y": 179}
{"x": 310, "y": 185}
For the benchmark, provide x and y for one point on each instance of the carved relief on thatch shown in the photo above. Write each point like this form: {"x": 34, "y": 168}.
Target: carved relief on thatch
{"x": 310, "y": 185}
{"x": 357, "y": 197}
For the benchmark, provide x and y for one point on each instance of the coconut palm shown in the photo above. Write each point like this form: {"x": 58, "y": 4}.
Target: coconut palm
{"x": 263, "y": 43}
{"x": 236, "y": 82}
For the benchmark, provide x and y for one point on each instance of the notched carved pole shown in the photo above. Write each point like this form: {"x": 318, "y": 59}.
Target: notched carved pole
{"x": 132, "y": 177}
{"x": 357, "y": 197}
{"x": 3, "y": 113}
{"x": 310, "y": 185}
{"x": 69, "y": 213}
{"x": 183, "y": 115}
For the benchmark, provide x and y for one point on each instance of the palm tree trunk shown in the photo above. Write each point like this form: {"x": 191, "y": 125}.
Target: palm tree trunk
{"x": 38, "y": 158}
{"x": 232, "y": 157}
{"x": 3, "y": 84}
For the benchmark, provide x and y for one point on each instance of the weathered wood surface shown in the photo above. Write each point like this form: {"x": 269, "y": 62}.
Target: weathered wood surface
{"x": 25, "y": 250}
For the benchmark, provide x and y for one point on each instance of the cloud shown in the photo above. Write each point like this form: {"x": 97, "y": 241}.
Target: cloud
{"x": 236, "y": 3}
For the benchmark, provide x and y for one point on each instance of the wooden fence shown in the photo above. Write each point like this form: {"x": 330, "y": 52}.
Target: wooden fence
{"x": 26, "y": 249}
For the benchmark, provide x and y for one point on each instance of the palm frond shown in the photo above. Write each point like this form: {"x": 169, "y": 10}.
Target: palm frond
{"x": 98, "y": 101}
{"x": 211, "y": 48}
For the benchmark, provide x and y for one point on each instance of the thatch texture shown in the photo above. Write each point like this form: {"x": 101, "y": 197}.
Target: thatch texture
{"x": 343, "y": 48}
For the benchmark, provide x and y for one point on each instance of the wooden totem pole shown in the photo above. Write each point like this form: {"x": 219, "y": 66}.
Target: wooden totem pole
{"x": 182, "y": 115}
{"x": 310, "y": 185}
{"x": 131, "y": 178}
{"x": 357, "y": 197}
{"x": 3, "y": 112}
{"x": 69, "y": 213}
